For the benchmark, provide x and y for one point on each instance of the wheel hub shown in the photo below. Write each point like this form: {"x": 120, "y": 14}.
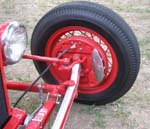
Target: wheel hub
{"x": 99, "y": 70}
{"x": 84, "y": 47}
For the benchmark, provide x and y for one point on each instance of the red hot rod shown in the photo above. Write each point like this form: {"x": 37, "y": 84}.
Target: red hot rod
{"x": 82, "y": 50}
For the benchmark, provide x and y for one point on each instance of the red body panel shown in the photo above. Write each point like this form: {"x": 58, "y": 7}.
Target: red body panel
{"x": 2, "y": 29}
{"x": 42, "y": 116}
{"x": 17, "y": 119}
{"x": 22, "y": 86}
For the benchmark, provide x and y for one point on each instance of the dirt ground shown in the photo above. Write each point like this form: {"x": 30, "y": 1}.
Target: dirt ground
{"x": 131, "y": 111}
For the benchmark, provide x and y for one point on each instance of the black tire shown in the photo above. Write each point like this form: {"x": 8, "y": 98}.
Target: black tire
{"x": 109, "y": 25}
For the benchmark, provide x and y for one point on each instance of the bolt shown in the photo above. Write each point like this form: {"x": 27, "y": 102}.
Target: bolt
{"x": 73, "y": 46}
{"x": 80, "y": 49}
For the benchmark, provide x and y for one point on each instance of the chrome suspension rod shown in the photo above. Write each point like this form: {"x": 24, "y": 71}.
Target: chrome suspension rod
{"x": 68, "y": 99}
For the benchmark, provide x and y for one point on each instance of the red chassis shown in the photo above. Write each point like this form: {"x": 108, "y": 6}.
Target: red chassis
{"x": 67, "y": 89}
{"x": 77, "y": 34}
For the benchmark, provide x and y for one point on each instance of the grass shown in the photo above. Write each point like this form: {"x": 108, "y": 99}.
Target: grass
{"x": 23, "y": 79}
{"x": 120, "y": 112}
{"x": 28, "y": 105}
{"x": 99, "y": 120}
{"x": 131, "y": 9}
{"x": 8, "y": 6}
{"x": 20, "y": 79}
{"x": 43, "y": 4}
{"x": 116, "y": 111}
{"x": 147, "y": 53}
{"x": 144, "y": 41}
{"x": 144, "y": 47}
{"x": 147, "y": 98}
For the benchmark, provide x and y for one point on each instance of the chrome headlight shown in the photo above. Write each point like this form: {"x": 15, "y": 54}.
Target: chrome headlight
{"x": 14, "y": 41}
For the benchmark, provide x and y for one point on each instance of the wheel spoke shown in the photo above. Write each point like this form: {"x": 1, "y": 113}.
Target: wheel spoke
{"x": 95, "y": 38}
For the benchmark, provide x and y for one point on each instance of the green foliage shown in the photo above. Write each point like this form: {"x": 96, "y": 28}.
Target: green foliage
{"x": 131, "y": 9}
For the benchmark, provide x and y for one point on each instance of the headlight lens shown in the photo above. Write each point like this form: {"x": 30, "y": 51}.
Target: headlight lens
{"x": 14, "y": 39}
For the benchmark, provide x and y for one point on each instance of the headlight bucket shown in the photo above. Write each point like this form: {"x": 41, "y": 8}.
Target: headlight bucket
{"x": 14, "y": 41}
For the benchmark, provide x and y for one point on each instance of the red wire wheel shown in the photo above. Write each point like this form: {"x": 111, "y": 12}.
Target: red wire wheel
{"x": 86, "y": 40}
{"x": 90, "y": 26}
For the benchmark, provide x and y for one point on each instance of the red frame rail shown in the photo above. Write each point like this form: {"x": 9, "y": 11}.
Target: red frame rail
{"x": 67, "y": 89}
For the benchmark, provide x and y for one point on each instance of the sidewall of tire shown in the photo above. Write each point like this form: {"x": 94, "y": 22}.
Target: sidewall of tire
{"x": 110, "y": 30}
